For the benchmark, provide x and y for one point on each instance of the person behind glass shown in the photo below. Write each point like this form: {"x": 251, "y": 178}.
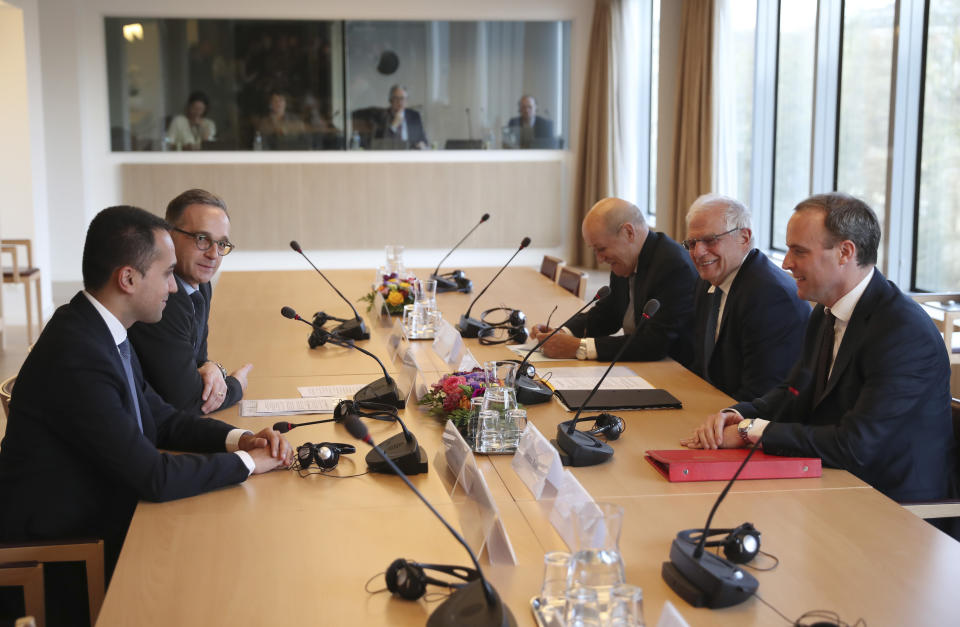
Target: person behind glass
{"x": 528, "y": 125}
{"x": 173, "y": 351}
{"x": 644, "y": 264}
{"x": 82, "y": 404}
{"x": 280, "y": 130}
{"x": 748, "y": 319}
{"x": 188, "y": 131}
{"x": 402, "y": 123}
{"x": 878, "y": 404}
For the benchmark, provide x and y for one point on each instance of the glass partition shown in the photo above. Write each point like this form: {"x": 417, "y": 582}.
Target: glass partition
{"x": 204, "y": 84}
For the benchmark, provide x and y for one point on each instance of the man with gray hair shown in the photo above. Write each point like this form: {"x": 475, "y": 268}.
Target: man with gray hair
{"x": 878, "y": 404}
{"x": 400, "y": 123}
{"x": 748, "y": 319}
{"x": 644, "y": 264}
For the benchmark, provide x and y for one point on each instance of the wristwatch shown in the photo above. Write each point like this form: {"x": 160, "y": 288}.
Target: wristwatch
{"x": 223, "y": 370}
{"x": 582, "y": 350}
{"x": 743, "y": 428}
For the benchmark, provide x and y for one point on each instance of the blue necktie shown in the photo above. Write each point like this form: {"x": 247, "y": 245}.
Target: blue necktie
{"x": 125, "y": 357}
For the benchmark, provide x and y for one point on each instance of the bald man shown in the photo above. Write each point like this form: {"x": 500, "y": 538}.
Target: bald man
{"x": 644, "y": 264}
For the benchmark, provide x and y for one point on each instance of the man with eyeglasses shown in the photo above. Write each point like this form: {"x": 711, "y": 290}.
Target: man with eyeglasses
{"x": 174, "y": 351}
{"x": 644, "y": 264}
{"x": 748, "y": 318}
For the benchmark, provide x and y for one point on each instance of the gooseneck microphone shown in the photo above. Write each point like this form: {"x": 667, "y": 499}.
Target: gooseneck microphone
{"x": 531, "y": 392}
{"x": 477, "y": 603}
{"x": 471, "y": 327}
{"x": 456, "y": 280}
{"x": 283, "y": 427}
{"x": 354, "y": 329}
{"x": 403, "y": 449}
{"x": 577, "y": 448}
{"x": 383, "y": 390}
{"x": 705, "y": 579}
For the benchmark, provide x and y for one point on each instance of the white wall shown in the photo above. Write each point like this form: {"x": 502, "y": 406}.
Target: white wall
{"x": 82, "y": 173}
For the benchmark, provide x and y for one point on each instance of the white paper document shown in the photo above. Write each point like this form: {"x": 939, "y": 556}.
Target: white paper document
{"x": 339, "y": 391}
{"x": 536, "y": 357}
{"x": 289, "y": 406}
{"x": 610, "y": 383}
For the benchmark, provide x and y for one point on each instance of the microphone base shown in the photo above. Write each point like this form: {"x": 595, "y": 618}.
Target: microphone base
{"x": 532, "y": 392}
{"x": 408, "y": 456}
{"x": 470, "y": 327}
{"x": 580, "y": 449}
{"x": 709, "y": 581}
{"x": 468, "y": 607}
{"x": 456, "y": 284}
{"x": 354, "y": 329}
{"x": 382, "y": 391}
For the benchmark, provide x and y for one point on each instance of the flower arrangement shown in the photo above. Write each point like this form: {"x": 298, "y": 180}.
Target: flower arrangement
{"x": 396, "y": 293}
{"x": 450, "y": 396}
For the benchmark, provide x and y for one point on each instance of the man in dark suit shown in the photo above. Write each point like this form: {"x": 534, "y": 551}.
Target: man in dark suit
{"x": 173, "y": 352}
{"x": 82, "y": 440}
{"x": 400, "y": 123}
{"x": 748, "y": 318}
{"x": 644, "y": 264}
{"x": 530, "y": 127}
{"x": 878, "y": 404}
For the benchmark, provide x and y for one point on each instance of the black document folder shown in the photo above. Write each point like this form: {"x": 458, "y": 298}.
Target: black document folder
{"x": 620, "y": 399}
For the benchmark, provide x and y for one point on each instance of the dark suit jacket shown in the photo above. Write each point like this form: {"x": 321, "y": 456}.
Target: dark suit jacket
{"x": 760, "y": 334}
{"x": 542, "y": 127}
{"x": 885, "y": 412}
{"x": 415, "y": 133}
{"x": 169, "y": 358}
{"x": 664, "y": 272}
{"x": 74, "y": 462}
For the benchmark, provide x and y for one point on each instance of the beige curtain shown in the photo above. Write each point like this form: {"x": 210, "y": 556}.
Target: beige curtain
{"x": 595, "y": 175}
{"x": 692, "y": 148}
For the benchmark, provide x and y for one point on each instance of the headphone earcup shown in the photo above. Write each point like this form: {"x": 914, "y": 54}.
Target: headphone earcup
{"x": 328, "y": 456}
{"x": 520, "y": 335}
{"x": 406, "y": 579}
{"x": 742, "y": 544}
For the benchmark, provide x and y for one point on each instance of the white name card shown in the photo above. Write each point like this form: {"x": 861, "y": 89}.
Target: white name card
{"x": 379, "y": 309}
{"x": 480, "y": 522}
{"x": 571, "y": 498}
{"x": 394, "y": 340}
{"x": 537, "y": 463}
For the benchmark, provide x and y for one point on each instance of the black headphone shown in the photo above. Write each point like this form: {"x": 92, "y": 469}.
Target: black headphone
{"x": 739, "y": 546}
{"x": 325, "y": 455}
{"x": 514, "y": 325}
{"x": 409, "y": 581}
{"x": 321, "y": 318}
{"x": 608, "y": 425}
{"x": 457, "y": 276}
{"x": 377, "y": 411}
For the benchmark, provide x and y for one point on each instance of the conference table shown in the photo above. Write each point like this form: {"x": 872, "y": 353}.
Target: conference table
{"x": 282, "y": 548}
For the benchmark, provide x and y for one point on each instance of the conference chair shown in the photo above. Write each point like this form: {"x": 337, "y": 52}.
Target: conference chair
{"x": 947, "y": 508}
{"x": 573, "y": 281}
{"x": 90, "y": 552}
{"x": 29, "y": 576}
{"x": 550, "y": 267}
{"x": 28, "y": 275}
{"x": 944, "y": 309}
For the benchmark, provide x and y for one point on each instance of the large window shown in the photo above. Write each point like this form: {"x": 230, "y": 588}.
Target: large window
{"x": 188, "y": 84}
{"x": 938, "y": 217}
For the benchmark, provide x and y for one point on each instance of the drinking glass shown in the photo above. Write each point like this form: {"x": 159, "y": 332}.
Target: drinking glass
{"x": 489, "y": 431}
{"x": 596, "y": 562}
{"x": 500, "y": 393}
{"x": 553, "y": 592}
{"x": 582, "y": 608}
{"x": 626, "y": 606}
{"x": 514, "y": 422}
{"x": 473, "y": 426}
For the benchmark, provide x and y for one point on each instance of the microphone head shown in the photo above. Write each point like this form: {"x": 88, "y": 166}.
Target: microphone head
{"x": 356, "y": 427}
{"x": 652, "y": 306}
{"x": 525, "y": 242}
{"x": 602, "y": 293}
{"x": 294, "y": 245}
{"x": 288, "y": 312}
{"x": 282, "y": 427}
{"x": 485, "y": 217}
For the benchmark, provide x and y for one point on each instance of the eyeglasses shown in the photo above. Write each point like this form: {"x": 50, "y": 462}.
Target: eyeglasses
{"x": 709, "y": 240}
{"x": 204, "y": 242}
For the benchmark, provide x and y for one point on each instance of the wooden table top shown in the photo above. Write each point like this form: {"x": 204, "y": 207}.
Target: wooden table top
{"x": 282, "y": 547}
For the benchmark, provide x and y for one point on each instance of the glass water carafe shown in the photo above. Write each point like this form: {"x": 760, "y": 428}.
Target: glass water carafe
{"x": 500, "y": 393}
{"x": 596, "y": 562}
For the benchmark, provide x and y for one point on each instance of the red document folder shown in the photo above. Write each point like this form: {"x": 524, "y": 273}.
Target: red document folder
{"x": 721, "y": 464}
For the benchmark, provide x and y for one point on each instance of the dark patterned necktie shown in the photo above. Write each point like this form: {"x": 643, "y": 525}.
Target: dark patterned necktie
{"x": 824, "y": 355}
{"x": 710, "y": 333}
{"x": 200, "y": 314}
{"x": 125, "y": 357}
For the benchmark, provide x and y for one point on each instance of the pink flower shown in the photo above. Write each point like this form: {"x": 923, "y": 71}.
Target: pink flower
{"x": 451, "y": 385}
{"x": 451, "y": 402}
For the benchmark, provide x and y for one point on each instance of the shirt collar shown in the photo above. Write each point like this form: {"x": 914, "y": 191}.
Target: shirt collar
{"x": 117, "y": 330}
{"x": 843, "y": 308}
{"x": 728, "y": 282}
{"x": 186, "y": 287}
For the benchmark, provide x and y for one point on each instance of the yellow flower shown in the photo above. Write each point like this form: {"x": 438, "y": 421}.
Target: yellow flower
{"x": 395, "y": 298}
{"x": 404, "y": 285}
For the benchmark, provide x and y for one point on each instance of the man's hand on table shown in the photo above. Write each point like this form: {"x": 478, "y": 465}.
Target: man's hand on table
{"x": 719, "y": 431}
{"x": 268, "y": 448}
